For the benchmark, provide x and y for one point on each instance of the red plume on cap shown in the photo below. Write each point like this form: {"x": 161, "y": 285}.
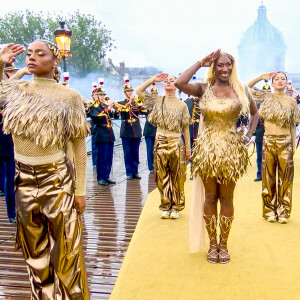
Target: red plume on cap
{"x": 153, "y": 83}
{"x": 126, "y": 78}
{"x": 94, "y": 88}
{"x": 101, "y": 81}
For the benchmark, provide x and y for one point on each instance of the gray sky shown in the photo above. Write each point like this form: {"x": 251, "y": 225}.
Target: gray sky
{"x": 173, "y": 34}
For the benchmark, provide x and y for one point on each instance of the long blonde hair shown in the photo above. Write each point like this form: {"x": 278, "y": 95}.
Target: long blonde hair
{"x": 234, "y": 81}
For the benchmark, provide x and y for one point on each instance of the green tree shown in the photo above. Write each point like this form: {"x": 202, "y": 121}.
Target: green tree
{"x": 89, "y": 37}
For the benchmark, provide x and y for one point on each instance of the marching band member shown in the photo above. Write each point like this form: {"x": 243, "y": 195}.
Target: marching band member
{"x": 258, "y": 96}
{"x": 194, "y": 111}
{"x": 131, "y": 131}
{"x": 149, "y": 134}
{"x": 7, "y": 155}
{"x": 101, "y": 115}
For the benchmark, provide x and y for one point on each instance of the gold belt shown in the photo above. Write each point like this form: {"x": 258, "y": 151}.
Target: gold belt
{"x": 130, "y": 120}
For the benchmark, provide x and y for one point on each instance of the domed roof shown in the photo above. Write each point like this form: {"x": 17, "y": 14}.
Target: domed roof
{"x": 262, "y": 32}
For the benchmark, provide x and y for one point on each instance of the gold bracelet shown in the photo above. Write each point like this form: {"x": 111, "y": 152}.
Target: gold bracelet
{"x": 200, "y": 62}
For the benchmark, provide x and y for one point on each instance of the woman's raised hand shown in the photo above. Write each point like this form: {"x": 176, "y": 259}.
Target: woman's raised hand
{"x": 272, "y": 74}
{"x": 10, "y": 51}
{"x": 209, "y": 59}
{"x": 161, "y": 77}
{"x": 268, "y": 76}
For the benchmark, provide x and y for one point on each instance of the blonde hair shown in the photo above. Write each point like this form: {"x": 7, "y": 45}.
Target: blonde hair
{"x": 234, "y": 81}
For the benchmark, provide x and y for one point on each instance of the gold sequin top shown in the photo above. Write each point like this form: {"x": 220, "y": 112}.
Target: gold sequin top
{"x": 43, "y": 118}
{"x": 219, "y": 113}
{"x": 219, "y": 152}
{"x": 281, "y": 110}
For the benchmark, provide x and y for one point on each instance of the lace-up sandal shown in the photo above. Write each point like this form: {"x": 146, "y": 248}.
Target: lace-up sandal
{"x": 225, "y": 226}
{"x": 211, "y": 226}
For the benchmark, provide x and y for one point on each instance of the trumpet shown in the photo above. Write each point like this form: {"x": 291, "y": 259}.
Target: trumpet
{"x": 89, "y": 104}
{"x": 139, "y": 100}
{"x": 121, "y": 107}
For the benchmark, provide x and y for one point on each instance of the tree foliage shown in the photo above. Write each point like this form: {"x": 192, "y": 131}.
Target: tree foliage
{"x": 89, "y": 37}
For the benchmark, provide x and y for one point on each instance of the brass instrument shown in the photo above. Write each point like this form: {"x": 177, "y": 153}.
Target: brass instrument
{"x": 94, "y": 103}
{"x": 121, "y": 107}
{"x": 139, "y": 101}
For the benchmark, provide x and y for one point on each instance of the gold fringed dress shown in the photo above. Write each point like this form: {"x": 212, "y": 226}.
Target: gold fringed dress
{"x": 219, "y": 152}
{"x": 44, "y": 119}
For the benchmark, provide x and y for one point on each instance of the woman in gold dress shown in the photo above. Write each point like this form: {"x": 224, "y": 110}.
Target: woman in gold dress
{"x": 220, "y": 156}
{"x": 171, "y": 117}
{"x": 45, "y": 119}
{"x": 280, "y": 114}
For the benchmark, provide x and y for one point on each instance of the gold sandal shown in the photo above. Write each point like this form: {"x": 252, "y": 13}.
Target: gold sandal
{"x": 213, "y": 255}
{"x": 224, "y": 256}
{"x": 211, "y": 226}
{"x": 225, "y": 226}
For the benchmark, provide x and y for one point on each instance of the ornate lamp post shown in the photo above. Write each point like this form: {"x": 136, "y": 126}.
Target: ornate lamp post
{"x": 62, "y": 38}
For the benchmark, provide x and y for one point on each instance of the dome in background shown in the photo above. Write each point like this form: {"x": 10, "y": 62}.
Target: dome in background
{"x": 262, "y": 47}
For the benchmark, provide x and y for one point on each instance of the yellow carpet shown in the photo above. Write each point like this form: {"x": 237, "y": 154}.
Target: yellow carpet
{"x": 265, "y": 257}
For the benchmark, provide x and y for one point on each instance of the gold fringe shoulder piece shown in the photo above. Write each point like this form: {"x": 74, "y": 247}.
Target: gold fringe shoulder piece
{"x": 172, "y": 115}
{"x": 150, "y": 100}
{"x": 259, "y": 95}
{"x": 47, "y": 114}
{"x": 281, "y": 110}
{"x": 5, "y": 88}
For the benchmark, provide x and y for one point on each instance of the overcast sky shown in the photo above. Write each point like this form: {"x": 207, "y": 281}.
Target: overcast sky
{"x": 173, "y": 34}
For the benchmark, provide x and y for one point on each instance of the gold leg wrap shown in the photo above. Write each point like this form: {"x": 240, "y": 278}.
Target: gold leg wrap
{"x": 170, "y": 167}
{"x": 49, "y": 231}
{"x": 277, "y": 158}
{"x": 225, "y": 226}
{"x": 211, "y": 227}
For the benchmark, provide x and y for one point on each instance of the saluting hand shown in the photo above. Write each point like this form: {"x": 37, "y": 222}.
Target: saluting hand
{"x": 267, "y": 76}
{"x": 161, "y": 77}
{"x": 209, "y": 59}
{"x": 10, "y": 51}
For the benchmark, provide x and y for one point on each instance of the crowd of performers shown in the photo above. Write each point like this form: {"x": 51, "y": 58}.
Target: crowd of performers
{"x": 43, "y": 155}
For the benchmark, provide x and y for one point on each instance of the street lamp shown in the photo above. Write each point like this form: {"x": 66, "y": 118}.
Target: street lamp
{"x": 63, "y": 42}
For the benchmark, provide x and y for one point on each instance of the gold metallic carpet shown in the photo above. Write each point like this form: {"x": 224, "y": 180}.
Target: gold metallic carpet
{"x": 265, "y": 257}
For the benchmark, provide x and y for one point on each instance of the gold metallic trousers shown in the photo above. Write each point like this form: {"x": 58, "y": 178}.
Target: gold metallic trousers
{"x": 170, "y": 168}
{"x": 277, "y": 161}
{"x": 49, "y": 231}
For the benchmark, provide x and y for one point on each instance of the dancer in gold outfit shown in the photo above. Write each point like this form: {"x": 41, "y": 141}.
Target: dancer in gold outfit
{"x": 280, "y": 115}
{"x": 45, "y": 118}
{"x": 220, "y": 156}
{"x": 171, "y": 117}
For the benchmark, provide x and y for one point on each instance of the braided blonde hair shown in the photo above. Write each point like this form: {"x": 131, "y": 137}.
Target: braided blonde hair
{"x": 234, "y": 81}
{"x": 52, "y": 47}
